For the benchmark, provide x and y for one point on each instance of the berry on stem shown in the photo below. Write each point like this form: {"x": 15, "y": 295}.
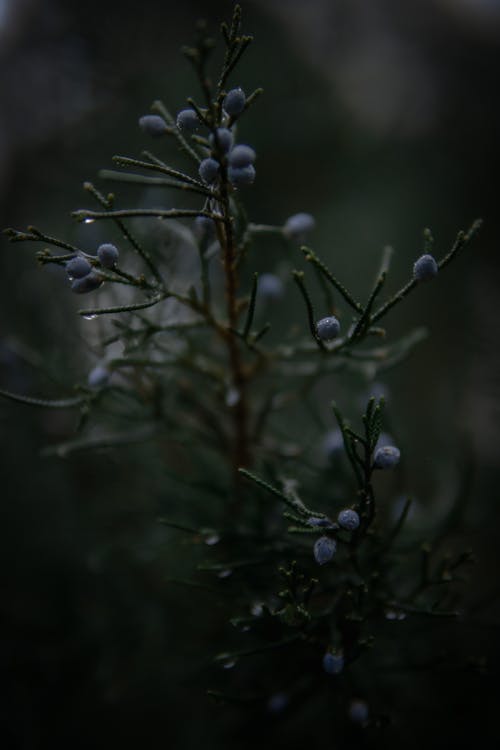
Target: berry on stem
{"x": 348, "y": 519}
{"x": 153, "y": 125}
{"x": 297, "y": 226}
{"x": 78, "y": 267}
{"x": 208, "y": 170}
{"x": 324, "y": 549}
{"x": 386, "y": 457}
{"x": 224, "y": 139}
{"x": 234, "y": 102}
{"x": 328, "y": 328}
{"x": 239, "y": 176}
{"x": 242, "y": 156}
{"x": 88, "y": 283}
{"x": 187, "y": 120}
{"x": 425, "y": 268}
{"x": 108, "y": 255}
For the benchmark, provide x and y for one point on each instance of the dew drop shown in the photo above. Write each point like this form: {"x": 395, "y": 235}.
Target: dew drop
{"x": 225, "y": 573}
{"x": 89, "y": 317}
{"x": 229, "y": 664}
{"x": 89, "y": 221}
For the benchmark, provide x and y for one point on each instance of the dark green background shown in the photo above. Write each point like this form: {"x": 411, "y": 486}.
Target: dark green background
{"x": 378, "y": 120}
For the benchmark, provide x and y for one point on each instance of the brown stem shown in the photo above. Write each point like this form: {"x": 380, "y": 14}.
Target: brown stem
{"x": 240, "y": 454}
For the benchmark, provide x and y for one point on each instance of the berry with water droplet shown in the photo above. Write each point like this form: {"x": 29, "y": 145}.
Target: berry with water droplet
{"x": 108, "y": 255}
{"x": 78, "y": 267}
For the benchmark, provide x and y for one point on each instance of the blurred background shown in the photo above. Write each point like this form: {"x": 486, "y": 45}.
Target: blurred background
{"x": 378, "y": 118}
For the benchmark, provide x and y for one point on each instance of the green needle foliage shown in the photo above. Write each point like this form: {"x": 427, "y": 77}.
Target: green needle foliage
{"x": 193, "y": 362}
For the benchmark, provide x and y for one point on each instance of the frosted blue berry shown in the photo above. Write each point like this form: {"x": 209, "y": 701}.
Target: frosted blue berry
{"x": 187, "y": 120}
{"x": 348, "y": 519}
{"x": 235, "y": 101}
{"x": 153, "y": 125}
{"x": 358, "y": 712}
{"x": 88, "y": 283}
{"x": 297, "y": 226}
{"x": 239, "y": 176}
{"x": 242, "y": 156}
{"x": 78, "y": 267}
{"x": 270, "y": 287}
{"x": 208, "y": 170}
{"x": 324, "y": 549}
{"x": 98, "y": 377}
{"x": 108, "y": 255}
{"x": 318, "y": 522}
{"x": 425, "y": 268}
{"x": 386, "y": 457}
{"x": 333, "y": 663}
{"x": 333, "y": 444}
{"x": 224, "y": 139}
{"x": 328, "y": 328}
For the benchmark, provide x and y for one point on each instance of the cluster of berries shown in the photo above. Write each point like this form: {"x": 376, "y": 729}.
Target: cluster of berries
{"x": 325, "y": 547}
{"x": 84, "y": 278}
{"x": 239, "y": 159}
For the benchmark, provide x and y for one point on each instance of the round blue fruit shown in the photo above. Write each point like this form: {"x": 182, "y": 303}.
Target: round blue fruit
{"x": 324, "y": 549}
{"x": 425, "y": 268}
{"x": 348, "y": 519}
{"x": 187, "y": 120}
{"x": 386, "y": 457}
{"x": 242, "y": 156}
{"x": 78, "y": 267}
{"x": 153, "y": 125}
{"x": 108, "y": 255}
{"x": 328, "y": 328}
{"x": 239, "y": 176}
{"x": 234, "y": 102}
{"x": 209, "y": 170}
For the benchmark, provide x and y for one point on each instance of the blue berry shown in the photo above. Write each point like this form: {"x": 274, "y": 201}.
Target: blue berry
{"x": 108, "y": 255}
{"x": 78, "y": 267}
{"x": 348, "y": 519}
{"x": 235, "y": 101}
{"x": 88, "y": 283}
{"x": 328, "y": 328}
{"x": 333, "y": 444}
{"x": 98, "y": 377}
{"x": 153, "y": 125}
{"x": 386, "y": 457}
{"x": 187, "y": 120}
{"x": 270, "y": 287}
{"x": 333, "y": 663}
{"x": 425, "y": 268}
{"x": 324, "y": 549}
{"x": 242, "y": 156}
{"x": 358, "y": 712}
{"x": 224, "y": 139}
{"x": 208, "y": 170}
{"x": 297, "y": 226}
{"x": 317, "y": 522}
{"x": 239, "y": 176}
